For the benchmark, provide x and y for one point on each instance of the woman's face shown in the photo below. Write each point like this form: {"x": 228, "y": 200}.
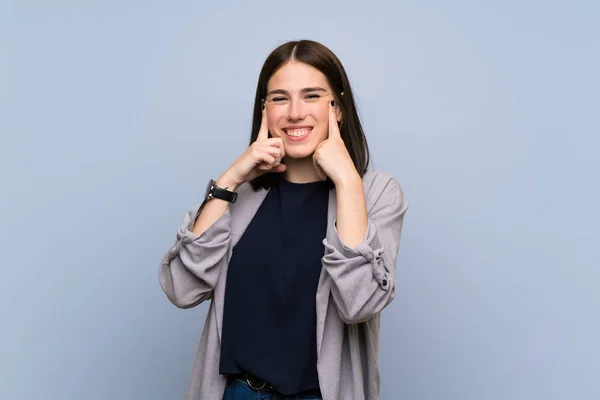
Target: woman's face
{"x": 297, "y": 104}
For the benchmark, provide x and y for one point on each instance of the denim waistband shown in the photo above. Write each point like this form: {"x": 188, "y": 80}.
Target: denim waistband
{"x": 240, "y": 379}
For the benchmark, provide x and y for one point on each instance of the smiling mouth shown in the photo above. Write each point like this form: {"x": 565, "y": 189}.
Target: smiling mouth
{"x": 298, "y": 132}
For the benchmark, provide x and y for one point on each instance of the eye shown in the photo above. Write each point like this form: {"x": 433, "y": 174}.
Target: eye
{"x": 313, "y": 96}
{"x": 279, "y": 99}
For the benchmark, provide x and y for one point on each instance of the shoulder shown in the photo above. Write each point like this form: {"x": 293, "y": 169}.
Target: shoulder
{"x": 381, "y": 187}
{"x": 247, "y": 196}
{"x": 246, "y": 188}
{"x": 379, "y": 182}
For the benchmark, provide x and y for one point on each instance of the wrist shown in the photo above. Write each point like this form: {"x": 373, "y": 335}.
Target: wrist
{"x": 226, "y": 182}
{"x": 352, "y": 181}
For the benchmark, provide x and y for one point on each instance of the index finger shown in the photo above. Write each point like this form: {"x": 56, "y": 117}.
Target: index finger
{"x": 334, "y": 130}
{"x": 263, "y": 132}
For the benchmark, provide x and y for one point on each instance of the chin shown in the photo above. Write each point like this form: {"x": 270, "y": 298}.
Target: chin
{"x": 298, "y": 154}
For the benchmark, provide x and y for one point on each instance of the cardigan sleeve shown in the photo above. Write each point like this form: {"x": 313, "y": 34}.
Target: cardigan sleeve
{"x": 190, "y": 269}
{"x": 363, "y": 277}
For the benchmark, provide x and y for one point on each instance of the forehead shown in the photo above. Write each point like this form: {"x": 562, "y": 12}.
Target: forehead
{"x": 297, "y": 75}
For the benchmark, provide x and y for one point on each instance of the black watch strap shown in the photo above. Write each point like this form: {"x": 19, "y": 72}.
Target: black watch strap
{"x": 216, "y": 192}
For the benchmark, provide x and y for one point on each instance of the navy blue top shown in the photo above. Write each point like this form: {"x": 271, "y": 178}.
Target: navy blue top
{"x": 269, "y": 320}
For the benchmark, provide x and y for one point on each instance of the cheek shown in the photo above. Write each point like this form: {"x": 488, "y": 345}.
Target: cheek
{"x": 321, "y": 114}
{"x": 272, "y": 119}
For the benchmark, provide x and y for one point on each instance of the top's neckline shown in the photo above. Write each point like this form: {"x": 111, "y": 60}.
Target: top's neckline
{"x": 284, "y": 181}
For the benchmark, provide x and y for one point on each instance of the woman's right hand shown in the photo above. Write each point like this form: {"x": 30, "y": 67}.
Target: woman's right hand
{"x": 264, "y": 155}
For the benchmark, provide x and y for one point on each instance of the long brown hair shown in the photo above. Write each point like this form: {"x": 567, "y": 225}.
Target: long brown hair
{"x": 320, "y": 57}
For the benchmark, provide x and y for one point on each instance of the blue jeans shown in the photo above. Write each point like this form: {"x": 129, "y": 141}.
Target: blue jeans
{"x": 239, "y": 390}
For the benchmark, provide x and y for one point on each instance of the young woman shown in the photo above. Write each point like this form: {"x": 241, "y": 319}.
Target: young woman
{"x": 295, "y": 246}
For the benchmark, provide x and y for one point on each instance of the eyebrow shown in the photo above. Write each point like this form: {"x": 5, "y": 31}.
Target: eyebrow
{"x": 305, "y": 90}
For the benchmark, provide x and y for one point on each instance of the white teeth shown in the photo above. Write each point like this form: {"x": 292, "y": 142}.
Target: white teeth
{"x": 297, "y": 132}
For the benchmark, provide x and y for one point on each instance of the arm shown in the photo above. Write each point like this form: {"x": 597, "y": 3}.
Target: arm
{"x": 352, "y": 219}
{"x": 189, "y": 271}
{"x": 191, "y": 268}
{"x": 363, "y": 274}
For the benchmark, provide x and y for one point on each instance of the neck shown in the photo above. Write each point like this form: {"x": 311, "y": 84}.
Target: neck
{"x": 300, "y": 170}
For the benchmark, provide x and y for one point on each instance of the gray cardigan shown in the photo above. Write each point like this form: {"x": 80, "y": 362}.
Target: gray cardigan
{"x": 354, "y": 286}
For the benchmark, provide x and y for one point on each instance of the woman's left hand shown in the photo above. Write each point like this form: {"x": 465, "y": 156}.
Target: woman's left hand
{"x": 331, "y": 158}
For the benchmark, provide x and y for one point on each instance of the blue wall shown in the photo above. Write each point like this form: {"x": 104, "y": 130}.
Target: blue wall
{"x": 115, "y": 114}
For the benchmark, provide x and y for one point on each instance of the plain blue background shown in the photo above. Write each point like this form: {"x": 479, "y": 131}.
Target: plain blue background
{"x": 115, "y": 115}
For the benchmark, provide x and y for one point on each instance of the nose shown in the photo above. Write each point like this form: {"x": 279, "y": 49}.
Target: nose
{"x": 295, "y": 110}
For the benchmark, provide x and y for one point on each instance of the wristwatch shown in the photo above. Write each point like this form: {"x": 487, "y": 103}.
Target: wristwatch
{"x": 215, "y": 192}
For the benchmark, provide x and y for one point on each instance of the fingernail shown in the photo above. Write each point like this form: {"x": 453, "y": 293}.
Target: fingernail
{"x": 332, "y": 103}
